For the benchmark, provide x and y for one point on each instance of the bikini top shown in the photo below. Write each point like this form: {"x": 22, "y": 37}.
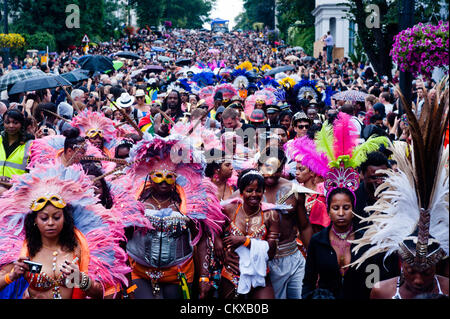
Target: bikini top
{"x": 43, "y": 281}
{"x": 397, "y": 292}
{"x": 260, "y": 233}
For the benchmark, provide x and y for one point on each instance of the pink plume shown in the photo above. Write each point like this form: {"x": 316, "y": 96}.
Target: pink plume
{"x": 305, "y": 149}
{"x": 345, "y": 135}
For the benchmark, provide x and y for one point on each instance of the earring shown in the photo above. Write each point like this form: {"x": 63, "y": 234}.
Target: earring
{"x": 215, "y": 177}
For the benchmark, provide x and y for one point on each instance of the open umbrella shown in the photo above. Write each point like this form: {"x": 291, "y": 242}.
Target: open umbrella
{"x": 18, "y": 75}
{"x": 96, "y": 63}
{"x": 181, "y": 40}
{"x": 279, "y": 69}
{"x": 292, "y": 58}
{"x": 153, "y": 68}
{"x": 188, "y": 51}
{"x": 214, "y": 51}
{"x": 181, "y": 62}
{"x": 308, "y": 59}
{"x": 38, "y": 83}
{"x": 297, "y": 49}
{"x": 127, "y": 55}
{"x": 117, "y": 64}
{"x": 163, "y": 58}
{"x": 158, "y": 49}
{"x": 350, "y": 96}
{"x": 219, "y": 43}
{"x": 76, "y": 75}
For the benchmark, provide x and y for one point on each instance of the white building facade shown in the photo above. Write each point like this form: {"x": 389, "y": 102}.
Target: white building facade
{"x": 331, "y": 15}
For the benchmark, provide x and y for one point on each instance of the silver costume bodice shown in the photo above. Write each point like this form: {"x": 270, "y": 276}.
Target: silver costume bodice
{"x": 166, "y": 245}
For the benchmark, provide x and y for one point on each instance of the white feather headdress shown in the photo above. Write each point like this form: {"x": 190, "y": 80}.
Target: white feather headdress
{"x": 411, "y": 215}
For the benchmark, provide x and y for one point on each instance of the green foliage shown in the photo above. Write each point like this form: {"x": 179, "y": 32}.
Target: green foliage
{"x": 290, "y": 11}
{"x": 182, "y": 13}
{"x": 377, "y": 42}
{"x": 358, "y": 55}
{"x": 256, "y": 11}
{"x": 40, "y": 41}
{"x": 96, "y": 19}
{"x": 303, "y": 37}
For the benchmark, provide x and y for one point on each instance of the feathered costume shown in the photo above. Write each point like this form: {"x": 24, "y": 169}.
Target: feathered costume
{"x": 411, "y": 215}
{"x": 90, "y": 122}
{"x": 98, "y": 230}
{"x": 48, "y": 149}
{"x": 335, "y": 153}
{"x": 198, "y": 193}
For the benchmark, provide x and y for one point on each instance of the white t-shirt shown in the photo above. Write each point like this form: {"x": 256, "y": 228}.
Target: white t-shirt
{"x": 329, "y": 40}
{"x": 388, "y": 108}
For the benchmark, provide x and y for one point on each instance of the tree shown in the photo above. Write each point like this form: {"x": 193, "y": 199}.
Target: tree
{"x": 377, "y": 40}
{"x": 149, "y": 12}
{"x": 291, "y": 11}
{"x": 257, "y": 11}
{"x": 50, "y": 16}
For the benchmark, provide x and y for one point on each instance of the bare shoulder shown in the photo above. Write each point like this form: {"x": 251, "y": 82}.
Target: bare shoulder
{"x": 384, "y": 289}
{"x": 229, "y": 209}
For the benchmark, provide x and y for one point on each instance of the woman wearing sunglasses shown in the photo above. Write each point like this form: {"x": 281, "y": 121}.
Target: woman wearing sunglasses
{"x": 51, "y": 218}
{"x": 171, "y": 261}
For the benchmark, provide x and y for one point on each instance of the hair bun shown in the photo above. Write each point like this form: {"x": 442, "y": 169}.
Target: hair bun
{"x": 72, "y": 132}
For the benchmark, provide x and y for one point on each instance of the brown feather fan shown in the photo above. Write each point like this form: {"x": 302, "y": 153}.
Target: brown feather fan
{"x": 427, "y": 134}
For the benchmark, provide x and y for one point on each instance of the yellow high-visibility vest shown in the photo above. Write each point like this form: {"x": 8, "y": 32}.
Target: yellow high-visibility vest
{"x": 17, "y": 161}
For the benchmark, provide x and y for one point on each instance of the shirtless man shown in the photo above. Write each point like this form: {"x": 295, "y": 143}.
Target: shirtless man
{"x": 287, "y": 267}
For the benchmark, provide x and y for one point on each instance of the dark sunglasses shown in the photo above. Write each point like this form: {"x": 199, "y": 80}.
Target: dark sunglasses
{"x": 301, "y": 127}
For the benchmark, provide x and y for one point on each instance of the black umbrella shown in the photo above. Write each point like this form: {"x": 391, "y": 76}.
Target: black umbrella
{"x": 219, "y": 43}
{"x": 76, "y": 75}
{"x": 279, "y": 69}
{"x": 95, "y": 63}
{"x": 183, "y": 62}
{"x": 38, "y": 83}
{"x": 308, "y": 59}
{"x": 153, "y": 68}
{"x": 127, "y": 55}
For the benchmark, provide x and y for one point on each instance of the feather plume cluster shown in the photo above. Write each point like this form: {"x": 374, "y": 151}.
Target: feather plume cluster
{"x": 413, "y": 203}
{"x": 202, "y": 204}
{"x": 101, "y": 228}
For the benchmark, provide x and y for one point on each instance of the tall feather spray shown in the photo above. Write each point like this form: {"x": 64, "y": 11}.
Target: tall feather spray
{"x": 311, "y": 158}
{"x": 345, "y": 135}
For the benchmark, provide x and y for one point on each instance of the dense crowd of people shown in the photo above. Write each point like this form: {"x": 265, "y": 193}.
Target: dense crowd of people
{"x": 194, "y": 164}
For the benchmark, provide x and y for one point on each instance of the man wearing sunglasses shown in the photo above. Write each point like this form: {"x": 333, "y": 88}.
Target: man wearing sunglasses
{"x": 301, "y": 123}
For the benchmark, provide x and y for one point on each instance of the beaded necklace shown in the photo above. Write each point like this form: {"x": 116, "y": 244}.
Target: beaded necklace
{"x": 342, "y": 245}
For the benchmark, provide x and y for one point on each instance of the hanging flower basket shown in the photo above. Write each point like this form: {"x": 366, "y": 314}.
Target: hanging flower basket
{"x": 422, "y": 48}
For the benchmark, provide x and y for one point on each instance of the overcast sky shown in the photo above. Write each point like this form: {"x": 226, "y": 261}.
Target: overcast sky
{"x": 228, "y": 10}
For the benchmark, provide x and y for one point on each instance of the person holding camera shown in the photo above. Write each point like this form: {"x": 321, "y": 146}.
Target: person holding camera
{"x": 57, "y": 252}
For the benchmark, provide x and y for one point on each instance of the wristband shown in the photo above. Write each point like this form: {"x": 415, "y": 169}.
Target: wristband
{"x": 8, "y": 280}
{"x": 247, "y": 241}
{"x": 203, "y": 278}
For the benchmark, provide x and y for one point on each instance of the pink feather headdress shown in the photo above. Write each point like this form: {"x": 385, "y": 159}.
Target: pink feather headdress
{"x": 100, "y": 227}
{"x": 155, "y": 152}
{"x": 335, "y": 153}
{"x": 47, "y": 149}
{"x": 88, "y": 120}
